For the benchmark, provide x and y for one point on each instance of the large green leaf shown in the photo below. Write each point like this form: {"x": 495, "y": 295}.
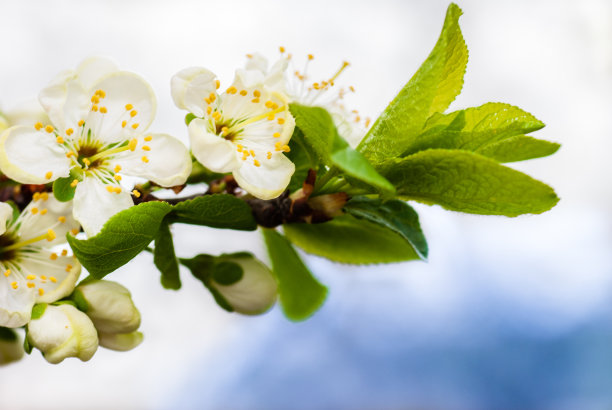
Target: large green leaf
{"x": 217, "y": 211}
{"x": 349, "y": 240}
{"x": 474, "y": 128}
{"x": 518, "y": 148}
{"x": 300, "y": 293}
{"x": 164, "y": 258}
{"x": 123, "y": 237}
{"x": 434, "y": 86}
{"x": 467, "y": 182}
{"x": 395, "y": 215}
{"x": 302, "y": 157}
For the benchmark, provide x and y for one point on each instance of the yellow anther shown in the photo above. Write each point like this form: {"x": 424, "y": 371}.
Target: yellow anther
{"x": 101, "y": 93}
{"x": 117, "y": 177}
{"x": 38, "y": 126}
{"x": 310, "y": 57}
{"x": 243, "y": 93}
{"x": 257, "y": 93}
{"x": 231, "y": 90}
{"x": 43, "y": 211}
{"x": 269, "y": 104}
{"x": 148, "y": 138}
{"x": 280, "y": 121}
{"x": 277, "y": 146}
{"x": 249, "y": 55}
{"x": 128, "y": 107}
{"x": 239, "y": 147}
{"x": 212, "y": 97}
{"x": 69, "y": 131}
{"x": 49, "y": 174}
{"x": 44, "y": 196}
{"x": 269, "y": 155}
{"x": 123, "y": 124}
{"x": 41, "y": 291}
{"x": 74, "y": 232}
{"x": 270, "y": 117}
{"x": 53, "y": 256}
{"x": 117, "y": 168}
{"x": 134, "y": 126}
{"x": 110, "y": 189}
{"x": 7, "y": 273}
{"x": 208, "y": 110}
{"x": 147, "y": 148}
{"x": 53, "y": 279}
{"x": 316, "y": 86}
{"x": 144, "y": 159}
{"x": 81, "y": 123}
{"x": 207, "y": 100}
{"x": 59, "y": 140}
{"x": 136, "y": 193}
{"x": 252, "y": 153}
{"x": 61, "y": 219}
{"x": 31, "y": 277}
{"x": 103, "y": 110}
{"x": 281, "y": 49}
{"x": 43, "y": 277}
{"x": 64, "y": 251}
{"x": 94, "y": 108}
{"x": 51, "y": 235}
{"x": 87, "y": 162}
{"x": 133, "y": 113}
{"x": 49, "y": 128}
{"x": 276, "y": 135}
{"x": 367, "y": 122}
{"x": 34, "y": 210}
{"x": 36, "y": 196}
{"x": 133, "y": 143}
{"x": 95, "y": 99}
{"x": 70, "y": 153}
{"x": 285, "y": 148}
{"x": 274, "y": 106}
{"x": 117, "y": 189}
{"x": 68, "y": 268}
{"x": 256, "y": 163}
{"x": 217, "y": 84}
{"x": 31, "y": 285}
{"x": 352, "y": 88}
{"x": 255, "y": 100}
{"x": 14, "y": 285}
{"x": 216, "y": 115}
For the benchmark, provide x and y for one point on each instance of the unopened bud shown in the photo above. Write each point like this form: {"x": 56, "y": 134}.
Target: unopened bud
{"x": 121, "y": 342}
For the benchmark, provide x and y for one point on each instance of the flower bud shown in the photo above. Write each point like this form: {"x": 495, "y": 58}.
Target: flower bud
{"x": 121, "y": 342}
{"x": 63, "y": 331}
{"x": 246, "y": 284}
{"x": 109, "y": 305}
{"x": 11, "y": 348}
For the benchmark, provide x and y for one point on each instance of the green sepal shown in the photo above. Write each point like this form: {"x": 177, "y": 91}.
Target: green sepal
{"x": 80, "y": 301}
{"x": 300, "y": 293}
{"x": 38, "y": 310}
{"x": 27, "y": 347}
{"x": 189, "y": 117}
{"x": 62, "y": 189}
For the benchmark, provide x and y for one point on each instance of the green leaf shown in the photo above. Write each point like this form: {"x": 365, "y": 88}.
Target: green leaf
{"x": 217, "y": 211}
{"x": 467, "y": 182}
{"x": 356, "y": 166}
{"x": 349, "y": 240}
{"x": 434, "y": 86}
{"x": 300, "y": 293}
{"x": 518, "y": 148}
{"x": 124, "y": 236}
{"x": 227, "y": 273}
{"x": 303, "y": 159}
{"x": 474, "y": 128}
{"x": 318, "y": 129}
{"x": 164, "y": 258}
{"x": 395, "y": 215}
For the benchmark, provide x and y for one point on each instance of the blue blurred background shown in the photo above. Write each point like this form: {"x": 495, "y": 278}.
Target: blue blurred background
{"x": 507, "y": 313}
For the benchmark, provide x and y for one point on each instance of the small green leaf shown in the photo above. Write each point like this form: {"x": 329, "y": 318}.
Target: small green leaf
{"x": 227, "y": 273}
{"x": 349, "y": 240}
{"x": 318, "y": 130}
{"x": 164, "y": 258}
{"x": 518, "y": 148}
{"x": 474, "y": 128}
{"x": 217, "y": 211}
{"x": 395, "y": 215}
{"x": 303, "y": 159}
{"x": 189, "y": 117}
{"x": 434, "y": 86}
{"x": 467, "y": 182}
{"x": 300, "y": 293}
{"x": 38, "y": 310}
{"x": 202, "y": 268}
{"x": 79, "y": 300}
{"x": 356, "y": 166}
{"x": 123, "y": 237}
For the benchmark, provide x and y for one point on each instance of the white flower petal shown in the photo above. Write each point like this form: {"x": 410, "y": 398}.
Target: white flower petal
{"x": 49, "y": 213}
{"x": 94, "y": 205}
{"x": 15, "y": 303}
{"x": 190, "y": 86}
{"x": 26, "y": 113}
{"x": 121, "y": 342}
{"x": 255, "y": 292}
{"x": 257, "y": 62}
{"x": 65, "y": 100}
{"x": 214, "y": 152}
{"x": 122, "y": 90}
{"x": 56, "y": 277}
{"x": 268, "y": 180}
{"x": 248, "y": 78}
{"x": 6, "y": 214}
{"x": 28, "y": 155}
{"x": 92, "y": 69}
{"x": 168, "y": 160}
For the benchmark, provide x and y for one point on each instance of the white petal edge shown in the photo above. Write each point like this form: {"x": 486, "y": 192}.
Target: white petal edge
{"x": 214, "y": 152}
{"x": 6, "y": 214}
{"x": 65, "y": 100}
{"x": 94, "y": 205}
{"x": 190, "y": 86}
{"x": 27, "y": 155}
{"x": 92, "y": 69}
{"x": 267, "y": 181}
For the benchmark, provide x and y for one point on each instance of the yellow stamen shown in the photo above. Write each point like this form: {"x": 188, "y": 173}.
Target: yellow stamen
{"x": 147, "y": 148}
{"x": 36, "y": 196}
{"x": 243, "y": 93}
{"x": 133, "y": 143}
{"x": 110, "y": 189}
{"x": 117, "y": 177}
{"x": 61, "y": 219}
{"x": 81, "y": 123}
{"x": 117, "y": 190}
{"x": 94, "y": 108}
{"x": 59, "y": 140}
{"x": 145, "y": 159}
{"x": 255, "y": 100}
{"x": 117, "y": 168}
{"x": 49, "y": 128}
{"x": 64, "y": 251}
{"x": 38, "y": 126}
{"x": 87, "y": 162}
{"x": 41, "y": 291}
{"x": 43, "y": 211}
{"x": 34, "y": 210}
{"x": 103, "y": 110}
{"x": 43, "y": 277}
{"x": 53, "y": 256}
{"x": 217, "y": 84}
{"x": 208, "y": 110}
{"x": 281, "y": 49}
{"x": 133, "y": 113}
{"x": 256, "y": 163}
{"x": 276, "y": 135}
{"x": 68, "y": 268}
{"x": 14, "y": 285}
{"x": 7, "y": 273}
{"x": 257, "y": 93}
{"x": 128, "y": 107}
{"x": 123, "y": 124}
{"x": 51, "y": 235}
{"x": 239, "y": 147}
{"x": 70, "y": 153}
{"x": 134, "y": 126}
{"x": 280, "y": 121}
{"x": 74, "y": 232}
{"x": 148, "y": 138}
{"x": 69, "y": 131}
{"x": 269, "y": 155}
{"x": 31, "y": 285}
{"x": 49, "y": 174}
{"x": 44, "y": 196}
{"x": 136, "y": 193}
{"x": 53, "y": 279}
{"x": 31, "y": 277}
{"x": 310, "y": 57}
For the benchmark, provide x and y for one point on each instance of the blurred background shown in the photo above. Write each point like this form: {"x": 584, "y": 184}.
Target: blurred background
{"x": 507, "y": 313}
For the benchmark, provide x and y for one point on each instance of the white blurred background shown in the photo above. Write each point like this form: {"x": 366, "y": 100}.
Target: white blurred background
{"x": 507, "y": 313}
